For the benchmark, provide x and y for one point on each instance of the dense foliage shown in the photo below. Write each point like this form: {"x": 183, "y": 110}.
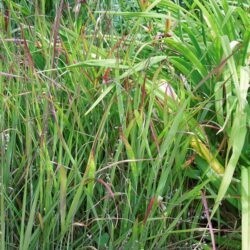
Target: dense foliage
{"x": 124, "y": 124}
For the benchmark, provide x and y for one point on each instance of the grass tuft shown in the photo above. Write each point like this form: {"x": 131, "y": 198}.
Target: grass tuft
{"x": 124, "y": 124}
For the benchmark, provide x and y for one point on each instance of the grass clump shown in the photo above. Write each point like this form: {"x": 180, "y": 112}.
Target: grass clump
{"x": 124, "y": 124}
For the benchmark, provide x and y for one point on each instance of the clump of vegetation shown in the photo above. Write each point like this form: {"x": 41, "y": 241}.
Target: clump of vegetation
{"x": 124, "y": 124}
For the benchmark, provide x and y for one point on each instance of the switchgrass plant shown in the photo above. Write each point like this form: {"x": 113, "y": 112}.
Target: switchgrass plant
{"x": 124, "y": 124}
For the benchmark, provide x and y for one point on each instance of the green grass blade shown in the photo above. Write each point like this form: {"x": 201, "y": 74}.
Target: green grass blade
{"x": 100, "y": 98}
{"x": 245, "y": 203}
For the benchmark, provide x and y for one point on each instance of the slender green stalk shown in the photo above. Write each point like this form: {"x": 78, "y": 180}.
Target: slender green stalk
{"x": 245, "y": 202}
